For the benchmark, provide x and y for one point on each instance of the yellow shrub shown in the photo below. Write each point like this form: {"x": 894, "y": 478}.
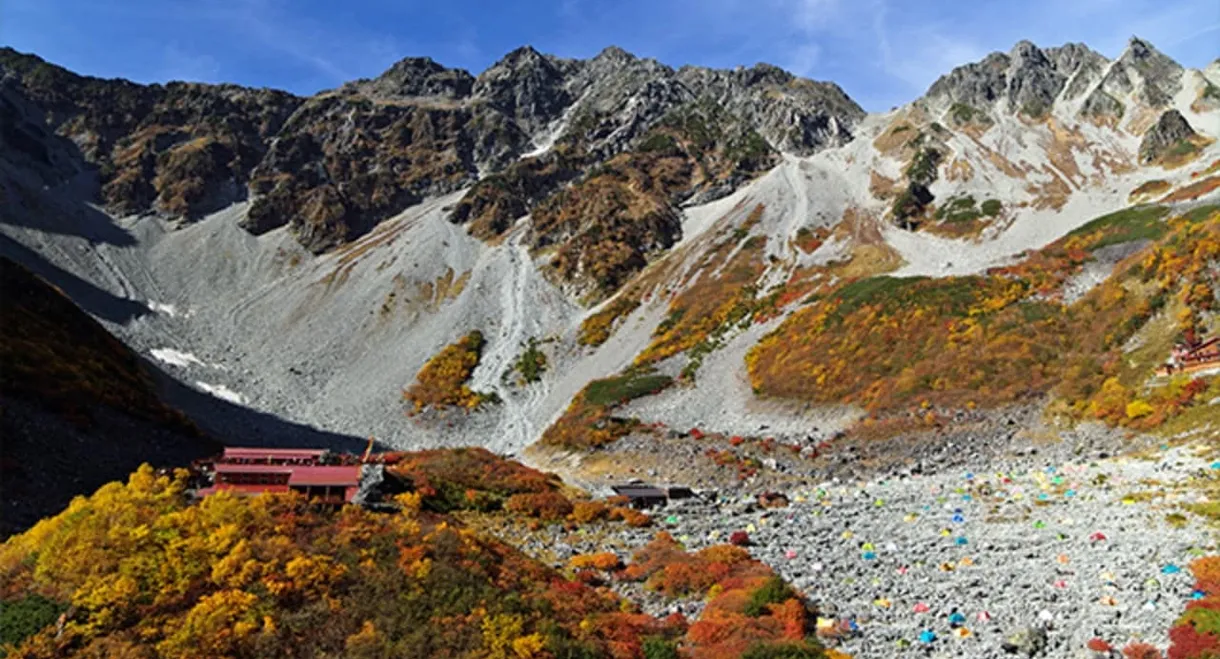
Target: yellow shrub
{"x": 441, "y": 383}
{"x": 1138, "y": 408}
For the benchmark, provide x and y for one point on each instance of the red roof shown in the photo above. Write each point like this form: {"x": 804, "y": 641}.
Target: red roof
{"x": 227, "y": 468}
{"x": 345, "y": 475}
{"x": 241, "y": 489}
{"x": 282, "y": 453}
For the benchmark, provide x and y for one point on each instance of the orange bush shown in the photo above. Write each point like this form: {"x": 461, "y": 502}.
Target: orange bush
{"x": 631, "y": 517}
{"x": 747, "y": 606}
{"x": 548, "y": 506}
{"x": 584, "y": 512}
{"x": 602, "y": 561}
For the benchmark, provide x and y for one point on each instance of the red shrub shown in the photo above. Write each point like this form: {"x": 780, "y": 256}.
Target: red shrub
{"x": 1099, "y": 645}
{"x": 1187, "y": 643}
{"x": 740, "y": 539}
{"x": 1192, "y": 389}
{"x": 1136, "y": 650}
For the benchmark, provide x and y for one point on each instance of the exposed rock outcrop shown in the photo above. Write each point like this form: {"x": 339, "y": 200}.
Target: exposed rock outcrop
{"x": 1170, "y": 131}
{"x": 793, "y": 114}
{"x": 182, "y": 149}
{"x": 1033, "y": 81}
{"x": 1142, "y": 74}
{"x": 412, "y": 78}
{"x": 332, "y": 166}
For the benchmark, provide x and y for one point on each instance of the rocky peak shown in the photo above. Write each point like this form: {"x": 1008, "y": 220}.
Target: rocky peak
{"x": 1140, "y": 50}
{"x": 1170, "y": 130}
{"x": 615, "y": 55}
{"x": 764, "y": 74}
{"x": 1026, "y": 49}
{"x": 1082, "y": 66}
{"x": 1033, "y": 80}
{"x": 414, "y": 77}
{"x": 526, "y": 86}
{"x": 1152, "y": 64}
{"x": 1071, "y": 56}
{"x": 978, "y": 85}
{"x": 1030, "y": 80}
{"x": 1142, "y": 75}
{"x": 794, "y": 114}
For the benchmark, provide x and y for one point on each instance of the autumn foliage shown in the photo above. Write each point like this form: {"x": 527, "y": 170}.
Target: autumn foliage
{"x": 720, "y": 295}
{"x": 1005, "y": 336}
{"x": 472, "y": 479}
{"x": 441, "y": 383}
{"x": 137, "y": 570}
{"x": 596, "y": 329}
{"x": 1196, "y": 635}
{"x": 748, "y": 607}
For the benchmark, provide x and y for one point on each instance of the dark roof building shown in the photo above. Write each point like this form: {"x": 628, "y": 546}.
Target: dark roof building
{"x": 641, "y": 496}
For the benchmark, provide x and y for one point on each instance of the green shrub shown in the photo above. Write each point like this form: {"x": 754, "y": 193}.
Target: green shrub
{"x": 962, "y": 113}
{"x": 610, "y": 391}
{"x": 20, "y": 619}
{"x": 992, "y": 207}
{"x": 656, "y": 647}
{"x": 1183, "y": 148}
{"x": 799, "y": 650}
{"x": 923, "y": 166}
{"x": 658, "y": 143}
{"x": 1134, "y": 223}
{"x": 773, "y": 591}
{"x": 958, "y": 209}
{"x": 532, "y": 363}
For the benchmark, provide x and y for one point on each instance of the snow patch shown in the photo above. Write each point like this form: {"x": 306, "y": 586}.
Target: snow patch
{"x": 176, "y": 357}
{"x": 162, "y": 308}
{"x": 222, "y": 392}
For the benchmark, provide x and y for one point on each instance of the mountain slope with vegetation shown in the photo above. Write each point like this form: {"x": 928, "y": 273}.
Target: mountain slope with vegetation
{"x": 77, "y": 407}
{"x": 137, "y": 570}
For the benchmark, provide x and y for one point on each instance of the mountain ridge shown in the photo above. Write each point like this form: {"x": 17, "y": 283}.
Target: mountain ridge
{"x": 393, "y": 223}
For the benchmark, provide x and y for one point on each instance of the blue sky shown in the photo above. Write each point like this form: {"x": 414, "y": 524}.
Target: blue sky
{"x": 882, "y": 52}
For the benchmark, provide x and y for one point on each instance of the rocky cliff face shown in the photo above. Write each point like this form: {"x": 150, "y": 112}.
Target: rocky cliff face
{"x": 1032, "y": 81}
{"x": 332, "y": 166}
{"x": 1170, "y": 131}
{"x": 181, "y": 149}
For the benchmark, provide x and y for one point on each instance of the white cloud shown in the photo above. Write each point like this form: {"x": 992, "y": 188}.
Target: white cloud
{"x": 927, "y": 50}
{"x": 177, "y": 64}
{"x": 804, "y": 59}
{"x": 262, "y": 20}
{"x": 813, "y": 15}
